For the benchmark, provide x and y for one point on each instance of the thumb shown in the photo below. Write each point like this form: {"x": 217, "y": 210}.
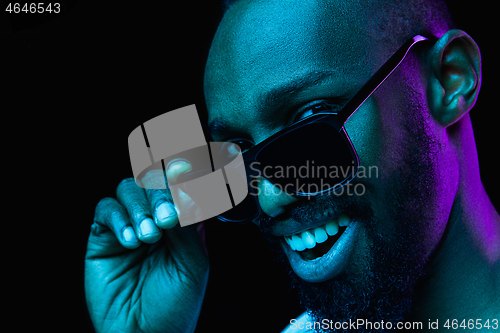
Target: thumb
{"x": 188, "y": 250}
{"x": 177, "y": 168}
{"x": 184, "y": 205}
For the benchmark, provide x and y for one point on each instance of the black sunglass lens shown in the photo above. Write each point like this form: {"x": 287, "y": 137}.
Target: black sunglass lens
{"x": 310, "y": 159}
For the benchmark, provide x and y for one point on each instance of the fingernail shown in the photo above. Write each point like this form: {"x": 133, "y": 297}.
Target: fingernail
{"x": 147, "y": 227}
{"x": 164, "y": 212}
{"x": 179, "y": 166}
{"x": 176, "y": 169}
{"x": 128, "y": 235}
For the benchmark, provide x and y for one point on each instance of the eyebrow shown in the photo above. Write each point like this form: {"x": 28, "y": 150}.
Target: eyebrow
{"x": 277, "y": 97}
{"x": 216, "y": 127}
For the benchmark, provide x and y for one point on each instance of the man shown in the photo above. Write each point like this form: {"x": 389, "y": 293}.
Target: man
{"x": 420, "y": 244}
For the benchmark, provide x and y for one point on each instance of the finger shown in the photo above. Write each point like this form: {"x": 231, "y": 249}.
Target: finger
{"x": 165, "y": 215}
{"x": 177, "y": 168}
{"x": 133, "y": 198}
{"x": 186, "y": 208}
{"x": 160, "y": 199}
{"x": 110, "y": 215}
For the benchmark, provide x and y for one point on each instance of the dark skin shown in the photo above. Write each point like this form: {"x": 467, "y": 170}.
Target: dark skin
{"x": 160, "y": 284}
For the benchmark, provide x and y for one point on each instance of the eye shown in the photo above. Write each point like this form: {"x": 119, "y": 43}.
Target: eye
{"x": 306, "y": 114}
{"x": 310, "y": 110}
{"x": 244, "y": 145}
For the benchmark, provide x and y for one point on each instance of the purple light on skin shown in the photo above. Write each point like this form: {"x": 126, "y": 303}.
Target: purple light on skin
{"x": 490, "y": 241}
{"x": 479, "y": 215}
{"x": 486, "y": 230}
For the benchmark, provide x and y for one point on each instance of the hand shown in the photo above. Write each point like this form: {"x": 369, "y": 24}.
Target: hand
{"x": 135, "y": 279}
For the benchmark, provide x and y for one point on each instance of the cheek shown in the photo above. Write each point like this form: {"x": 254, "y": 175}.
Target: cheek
{"x": 414, "y": 182}
{"x": 363, "y": 128}
{"x": 378, "y": 139}
{"x": 445, "y": 186}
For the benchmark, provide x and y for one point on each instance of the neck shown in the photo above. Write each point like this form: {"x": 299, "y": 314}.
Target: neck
{"x": 461, "y": 280}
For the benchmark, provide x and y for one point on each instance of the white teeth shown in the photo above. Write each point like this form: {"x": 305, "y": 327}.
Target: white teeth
{"x": 320, "y": 235}
{"x": 344, "y": 220}
{"x": 298, "y": 243}
{"x": 332, "y": 228}
{"x": 309, "y": 238}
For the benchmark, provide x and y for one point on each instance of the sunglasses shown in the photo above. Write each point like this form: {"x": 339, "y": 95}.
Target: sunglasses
{"x": 312, "y": 157}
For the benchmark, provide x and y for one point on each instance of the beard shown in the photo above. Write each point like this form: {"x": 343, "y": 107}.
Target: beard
{"x": 383, "y": 289}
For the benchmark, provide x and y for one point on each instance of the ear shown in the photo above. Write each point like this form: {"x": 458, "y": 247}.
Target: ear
{"x": 454, "y": 85}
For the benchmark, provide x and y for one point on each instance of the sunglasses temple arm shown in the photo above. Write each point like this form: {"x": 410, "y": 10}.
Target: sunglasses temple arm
{"x": 378, "y": 78}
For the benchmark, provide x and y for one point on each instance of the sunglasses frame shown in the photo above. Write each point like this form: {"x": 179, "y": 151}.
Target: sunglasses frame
{"x": 331, "y": 119}
{"x": 335, "y": 119}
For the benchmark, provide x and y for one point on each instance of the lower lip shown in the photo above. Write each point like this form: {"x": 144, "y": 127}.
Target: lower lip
{"x": 327, "y": 266}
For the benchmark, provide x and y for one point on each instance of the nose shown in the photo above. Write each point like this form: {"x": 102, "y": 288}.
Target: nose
{"x": 273, "y": 199}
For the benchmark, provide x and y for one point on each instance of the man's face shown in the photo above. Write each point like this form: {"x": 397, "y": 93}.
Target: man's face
{"x": 270, "y": 62}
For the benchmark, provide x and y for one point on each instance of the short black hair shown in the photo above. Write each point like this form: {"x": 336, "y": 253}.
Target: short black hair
{"x": 398, "y": 20}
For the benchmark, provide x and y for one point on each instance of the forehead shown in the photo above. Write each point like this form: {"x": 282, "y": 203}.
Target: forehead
{"x": 263, "y": 47}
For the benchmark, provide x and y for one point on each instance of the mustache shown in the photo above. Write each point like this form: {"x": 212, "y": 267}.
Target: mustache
{"x": 307, "y": 211}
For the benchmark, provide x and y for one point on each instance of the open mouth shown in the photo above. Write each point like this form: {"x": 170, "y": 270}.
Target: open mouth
{"x": 320, "y": 253}
{"x": 316, "y": 242}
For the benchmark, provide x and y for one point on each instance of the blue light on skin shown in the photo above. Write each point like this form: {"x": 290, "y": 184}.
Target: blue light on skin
{"x": 269, "y": 59}
{"x": 281, "y": 57}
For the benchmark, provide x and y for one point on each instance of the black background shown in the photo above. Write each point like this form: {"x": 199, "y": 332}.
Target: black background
{"x": 74, "y": 86}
